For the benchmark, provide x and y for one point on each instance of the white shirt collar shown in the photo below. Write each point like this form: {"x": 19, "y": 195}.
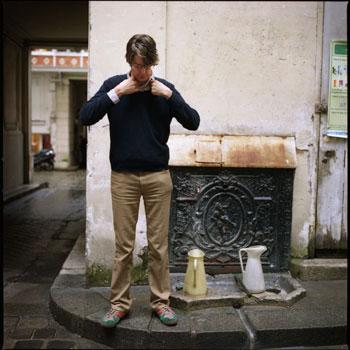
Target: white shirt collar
{"x": 144, "y": 87}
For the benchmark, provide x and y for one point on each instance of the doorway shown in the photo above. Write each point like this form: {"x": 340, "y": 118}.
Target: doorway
{"x": 23, "y": 28}
{"x": 77, "y": 96}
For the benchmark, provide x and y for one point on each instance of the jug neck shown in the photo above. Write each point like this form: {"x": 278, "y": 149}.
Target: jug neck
{"x": 255, "y": 250}
{"x": 191, "y": 258}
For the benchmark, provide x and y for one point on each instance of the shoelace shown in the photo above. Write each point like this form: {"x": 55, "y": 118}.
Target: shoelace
{"x": 112, "y": 313}
{"x": 167, "y": 311}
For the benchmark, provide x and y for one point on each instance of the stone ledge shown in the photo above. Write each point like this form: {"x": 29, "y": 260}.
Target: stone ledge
{"x": 23, "y": 191}
{"x": 79, "y": 309}
{"x": 228, "y": 290}
{"x": 64, "y": 167}
{"x": 319, "y": 269}
{"x": 240, "y": 151}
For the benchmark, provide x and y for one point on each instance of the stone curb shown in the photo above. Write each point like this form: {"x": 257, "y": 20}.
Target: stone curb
{"x": 319, "y": 269}
{"x": 23, "y": 191}
{"x": 145, "y": 332}
{"x": 68, "y": 168}
{"x": 79, "y": 309}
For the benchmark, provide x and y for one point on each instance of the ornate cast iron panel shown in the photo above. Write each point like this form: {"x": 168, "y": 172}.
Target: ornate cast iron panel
{"x": 221, "y": 210}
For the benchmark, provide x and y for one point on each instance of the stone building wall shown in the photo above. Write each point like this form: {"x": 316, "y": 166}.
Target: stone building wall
{"x": 249, "y": 68}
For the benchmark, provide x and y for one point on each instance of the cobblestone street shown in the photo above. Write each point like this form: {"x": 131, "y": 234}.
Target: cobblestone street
{"x": 40, "y": 230}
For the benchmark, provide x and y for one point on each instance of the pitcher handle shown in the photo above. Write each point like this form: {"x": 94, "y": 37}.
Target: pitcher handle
{"x": 194, "y": 273}
{"x": 240, "y": 258}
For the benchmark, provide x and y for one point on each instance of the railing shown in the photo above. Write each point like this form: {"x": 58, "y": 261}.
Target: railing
{"x": 59, "y": 61}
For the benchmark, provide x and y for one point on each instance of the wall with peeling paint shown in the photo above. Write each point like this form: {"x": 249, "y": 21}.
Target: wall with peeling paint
{"x": 249, "y": 68}
{"x": 332, "y": 203}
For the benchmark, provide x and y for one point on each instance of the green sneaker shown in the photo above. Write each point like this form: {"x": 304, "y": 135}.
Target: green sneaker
{"x": 112, "y": 318}
{"x": 166, "y": 315}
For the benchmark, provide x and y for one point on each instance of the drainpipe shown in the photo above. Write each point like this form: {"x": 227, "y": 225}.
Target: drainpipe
{"x": 320, "y": 108}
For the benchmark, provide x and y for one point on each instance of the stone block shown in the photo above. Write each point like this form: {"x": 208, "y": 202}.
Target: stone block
{"x": 73, "y": 280}
{"x": 285, "y": 327}
{"x": 224, "y": 322}
{"x": 63, "y": 333}
{"x": 28, "y": 344}
{"x": 8, "y": 343}
{"x": 78, "y": 301}
{"x": 44, "y": 333}
{"x": 33, "y": 322}
{"x": 22, "y": 333}
{"x": 60, "y": 344}
{"x": 26, "y": 293}
{"x": 324, "y": 294}
{"x": 175, "y": 337}
{"x": 319, "y": 269}
{"x": 89, "y": 344}
{"x": 10, "y": 322}
{"x": 27, "y": 309}
{"x": 132, "y": 332}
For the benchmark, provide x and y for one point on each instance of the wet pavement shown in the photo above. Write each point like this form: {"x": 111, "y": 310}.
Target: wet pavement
{"x": 40, "y": 229}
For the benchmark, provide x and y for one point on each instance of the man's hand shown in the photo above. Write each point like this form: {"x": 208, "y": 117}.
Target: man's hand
{"x": 126, "y": 87}
{"x": 159, "y": 89}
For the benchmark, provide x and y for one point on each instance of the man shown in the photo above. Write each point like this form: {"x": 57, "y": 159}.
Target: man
{"x": 140, "y": 108}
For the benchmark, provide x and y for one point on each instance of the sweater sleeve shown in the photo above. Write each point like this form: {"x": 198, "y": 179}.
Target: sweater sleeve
{"x": 184, "y": 114}
{"x": 95, "y": 109}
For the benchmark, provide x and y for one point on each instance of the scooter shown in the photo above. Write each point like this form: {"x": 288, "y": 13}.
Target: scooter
{"x": 45, "y": 159}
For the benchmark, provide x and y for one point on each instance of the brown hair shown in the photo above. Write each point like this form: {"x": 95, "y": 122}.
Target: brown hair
{"x": 144, "y": 46}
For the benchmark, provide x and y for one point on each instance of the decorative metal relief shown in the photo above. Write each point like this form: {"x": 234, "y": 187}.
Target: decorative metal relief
{"x": 221, "y": 210}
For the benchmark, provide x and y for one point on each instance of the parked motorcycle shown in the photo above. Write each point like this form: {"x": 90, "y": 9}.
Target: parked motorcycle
{"x": 44, "y": 160}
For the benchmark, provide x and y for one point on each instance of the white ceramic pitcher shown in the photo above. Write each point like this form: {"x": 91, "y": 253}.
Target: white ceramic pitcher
{"x": 253, "y": 277}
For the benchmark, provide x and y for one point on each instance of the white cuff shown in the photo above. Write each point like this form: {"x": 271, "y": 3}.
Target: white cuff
{"x": 113, "y": 96}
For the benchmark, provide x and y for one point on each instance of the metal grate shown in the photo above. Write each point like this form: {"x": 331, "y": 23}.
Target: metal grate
{"x": 220, "y": 210}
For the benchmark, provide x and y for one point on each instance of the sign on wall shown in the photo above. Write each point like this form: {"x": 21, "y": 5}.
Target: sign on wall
{"x": 338, "y": 90}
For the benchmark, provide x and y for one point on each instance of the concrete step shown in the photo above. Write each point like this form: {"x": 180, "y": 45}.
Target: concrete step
{"x": 319, "y": 319}
{"x": 319, "y": 269}
{"x": 22, "y": 190}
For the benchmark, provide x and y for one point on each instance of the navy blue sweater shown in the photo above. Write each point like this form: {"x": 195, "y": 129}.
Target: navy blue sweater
{"x": 139, "y": 124}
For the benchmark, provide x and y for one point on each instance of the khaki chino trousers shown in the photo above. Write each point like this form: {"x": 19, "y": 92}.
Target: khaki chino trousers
{"x": 127, "y": 189}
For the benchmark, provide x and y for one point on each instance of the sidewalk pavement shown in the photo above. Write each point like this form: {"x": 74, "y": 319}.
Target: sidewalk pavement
{"x": 318, "y": 321}
{"x": 40, "y": 228}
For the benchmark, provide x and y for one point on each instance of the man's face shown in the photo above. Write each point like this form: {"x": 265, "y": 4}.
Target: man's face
{"x": 139, "y": 71}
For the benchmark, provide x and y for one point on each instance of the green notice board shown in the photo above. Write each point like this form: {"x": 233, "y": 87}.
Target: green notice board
{"x": 338, "y": 90}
